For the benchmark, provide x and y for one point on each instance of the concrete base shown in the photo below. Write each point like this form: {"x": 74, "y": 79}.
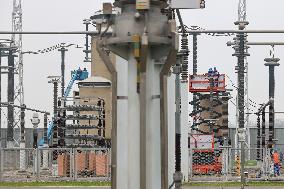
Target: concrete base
{"x": 45, "y": 157}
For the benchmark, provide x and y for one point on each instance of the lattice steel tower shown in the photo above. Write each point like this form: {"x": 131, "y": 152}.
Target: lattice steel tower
{"x": 19, "y": 89}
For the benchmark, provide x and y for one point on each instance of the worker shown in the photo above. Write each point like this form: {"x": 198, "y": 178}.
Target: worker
{"x": 216, "y": 76}
{"x": 210, "y": 72}
{"x": 215, "y": 71}
{"x": 276, "y": 161}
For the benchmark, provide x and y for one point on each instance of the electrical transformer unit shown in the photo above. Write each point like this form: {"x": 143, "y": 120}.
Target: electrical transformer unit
{"x": 188, "y": 4}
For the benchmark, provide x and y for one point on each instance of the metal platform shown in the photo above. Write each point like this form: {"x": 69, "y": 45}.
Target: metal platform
{"x": 201, "y": 83}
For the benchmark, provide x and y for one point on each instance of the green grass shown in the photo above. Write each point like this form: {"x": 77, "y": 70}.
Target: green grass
{"x": 64, "y": 183}
{"x": 216, "y": 184}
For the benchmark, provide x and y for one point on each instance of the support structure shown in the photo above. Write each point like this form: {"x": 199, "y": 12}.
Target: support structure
{"x": 178, "y": 176}
{"x": 23, "y": 140}
{"x": 148, "y": 40}
{"x": 241, "y": 53}
{"x": 87, "y": 50}
{"x": 62, "y": 50}
{"x": 18, "y": 87}
{"x": 54, "y": 80}
{"x": 11, "y": 96}
{"x": 271, "y": 63}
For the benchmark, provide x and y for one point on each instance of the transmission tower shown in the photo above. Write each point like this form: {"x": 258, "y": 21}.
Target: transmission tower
{"x": 18, "y": 70}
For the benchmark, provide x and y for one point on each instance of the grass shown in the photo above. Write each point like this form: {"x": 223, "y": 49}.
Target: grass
{"x": 216, "y": 184}
{"x": 65, "y": 183}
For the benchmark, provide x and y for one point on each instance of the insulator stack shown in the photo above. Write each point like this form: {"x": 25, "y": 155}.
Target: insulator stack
{"x": 185, "y": 51}
{"x": 258, "y": 138}
{"x": 194, "y": 62}
{"x": 55, "y": 95}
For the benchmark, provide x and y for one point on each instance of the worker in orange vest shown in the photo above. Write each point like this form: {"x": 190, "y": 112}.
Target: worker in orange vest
{"x": 276, "y": 161}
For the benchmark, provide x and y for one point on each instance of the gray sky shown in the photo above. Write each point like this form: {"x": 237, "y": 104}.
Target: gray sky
{"x": 67, "y": 15}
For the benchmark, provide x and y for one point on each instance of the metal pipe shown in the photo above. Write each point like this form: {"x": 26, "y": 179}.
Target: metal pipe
{"x": 5, "y": 104}
{"x": 95, "y": 33}
{"x": 113, "y": 72}
{"x": 265, "y": 43}
{"x": 62, "y": 50}
{"x": 180, "y": 21}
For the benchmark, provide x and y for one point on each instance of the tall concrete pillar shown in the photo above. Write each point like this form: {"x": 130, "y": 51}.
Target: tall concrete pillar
{"x": 184, "y": 130}
{"x": 122, "y": 123}
{"x": 145, "y": 40}
{"x": 171, "y": 127}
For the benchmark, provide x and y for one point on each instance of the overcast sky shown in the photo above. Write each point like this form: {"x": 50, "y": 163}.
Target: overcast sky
{"x": 67, "y": 15}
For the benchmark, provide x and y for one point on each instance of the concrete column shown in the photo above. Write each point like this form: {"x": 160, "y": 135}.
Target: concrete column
{"x": 45, "y": 157}
{"x": 122, "y": 123}
{"x": 133, "y": 126}
{"x": 184, "y": 130}
{"x": 171, "y": 127}
{"x": 153, "y": 148}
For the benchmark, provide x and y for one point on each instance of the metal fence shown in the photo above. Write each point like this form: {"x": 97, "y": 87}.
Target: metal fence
{"x": 225, "y": 164}
{"x": 50, "y": 164}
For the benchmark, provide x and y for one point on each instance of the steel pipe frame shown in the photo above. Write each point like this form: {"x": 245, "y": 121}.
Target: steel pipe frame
{"x": 265, "y": 43}
{"x": 3, "y": 104}
{"x": 95, "y": 33}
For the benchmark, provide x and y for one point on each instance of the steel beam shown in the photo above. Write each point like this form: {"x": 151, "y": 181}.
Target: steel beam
{"x": 95, "y": 33}
{"x": 265, "y": 43}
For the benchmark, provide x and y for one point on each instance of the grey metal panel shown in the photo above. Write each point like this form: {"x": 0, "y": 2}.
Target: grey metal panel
{"x": 186, "y": 4}
{"x": 28, "y": 135}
